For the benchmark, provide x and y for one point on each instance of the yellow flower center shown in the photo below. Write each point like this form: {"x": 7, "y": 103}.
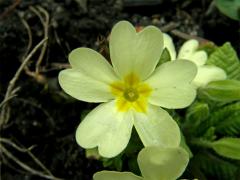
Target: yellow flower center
{"x": 131, "y": 93}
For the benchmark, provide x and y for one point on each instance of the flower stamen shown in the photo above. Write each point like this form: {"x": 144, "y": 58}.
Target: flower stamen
{"x": 131, "y": 93}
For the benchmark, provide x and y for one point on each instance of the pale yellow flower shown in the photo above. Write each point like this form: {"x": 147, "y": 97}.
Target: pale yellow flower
{"x": 131, "y": 90}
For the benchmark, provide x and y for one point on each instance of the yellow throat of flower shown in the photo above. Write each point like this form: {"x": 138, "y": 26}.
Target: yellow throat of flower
{"x": 131, "y": 93}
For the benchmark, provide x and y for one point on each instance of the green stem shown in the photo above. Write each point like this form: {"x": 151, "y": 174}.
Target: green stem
{"x": 201, "y": 143}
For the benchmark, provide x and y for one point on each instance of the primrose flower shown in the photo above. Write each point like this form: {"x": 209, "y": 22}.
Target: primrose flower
{"x": 130, "y": 91}
{"x": 189, "y": 51}
{"x": 155, "y": 163}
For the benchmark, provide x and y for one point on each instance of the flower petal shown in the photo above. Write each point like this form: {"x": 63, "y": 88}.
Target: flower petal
{"x": 171, "y": 84}
{"x": 92, "y": 64}
{"x": 133, "y": 52}
{"x": 168, "y": 43}
{"x": 157, "y": 128}
{"x": 162, "y": 163}
{"x": 106, "y": 128}
{"x": 207, "y": 74}
{"x": 199, "y": 58}
{"x": 189, "y": 51}
{"x": 113, "y": 175}
{"x": 83, "y": 87}
{"x": 188, "y": 48}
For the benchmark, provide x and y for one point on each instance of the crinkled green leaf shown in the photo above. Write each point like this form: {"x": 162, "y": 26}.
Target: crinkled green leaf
{"x": 227, "y": 147}
{"x": 224, "y": 121}
{"x": 226, "y": 58}
{"x": 197, "y": 113}
{"x": 230, "y": 126}
{"x": 225, "y": 90}
{"x": 214, "y": 166}
{"x": 230, "y": 8}
{"x": 227, "y": 121}
{"x": 209, "y": 134}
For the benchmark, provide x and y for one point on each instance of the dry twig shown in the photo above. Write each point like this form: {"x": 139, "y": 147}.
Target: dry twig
{"x": 4, "y": 114}
{"x": 6, "y": 100}
{"x": 170, "y": 26}
{"x": 187, "y": 36}
{"x": 28, "y": 151}
{"x": 10, "y": 9}
{"x": 29, "y": 32}
{"x": 15, "y": 146}
{"x": 45, "y": 23}
{"x": 24, "y": 166}
{"x": 12, "y": 92}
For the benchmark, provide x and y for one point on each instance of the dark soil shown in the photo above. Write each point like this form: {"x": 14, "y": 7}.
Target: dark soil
{"x": 42, "y": 115}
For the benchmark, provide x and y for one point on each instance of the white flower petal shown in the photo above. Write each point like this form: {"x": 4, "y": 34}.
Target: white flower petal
{"x": 92, "y": 64}
{"x": 168, "y": 43}
{"x": 207, "y": 74}
{"x": 106, "y": 129}
{"x": 158, "y": 163}
{"x": 189, "y": 51}
{"x": 199, "y": 58}
{"x": 171, "y": 84}
{"x": 133, "y": 52}
{"x": 174, "y": 97}
{"x": 157, "y": 128}
{"x": 83, "y": 87}
{"x": 113, "y": 175}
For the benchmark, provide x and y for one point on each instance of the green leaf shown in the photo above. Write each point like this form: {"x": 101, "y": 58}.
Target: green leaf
{"x": 230, "y": 126}
{"x": 230, "y": 8}
{"x": 118, "y": 163}
{"x": 224, "y": 90}
{"x": 214, "y": 166}
{"x": 210, "y": 134}
{"x": 107, "y": 162}
{"x": 227, "y": 147}
{"x": 197, "y": 113}
{"x": 133, "y": 165}
{"x": 113, "y": 163}
{"x": 165, "y": 57}
{"x": 225, "y": 120}
{"x": 226, "y": 58}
